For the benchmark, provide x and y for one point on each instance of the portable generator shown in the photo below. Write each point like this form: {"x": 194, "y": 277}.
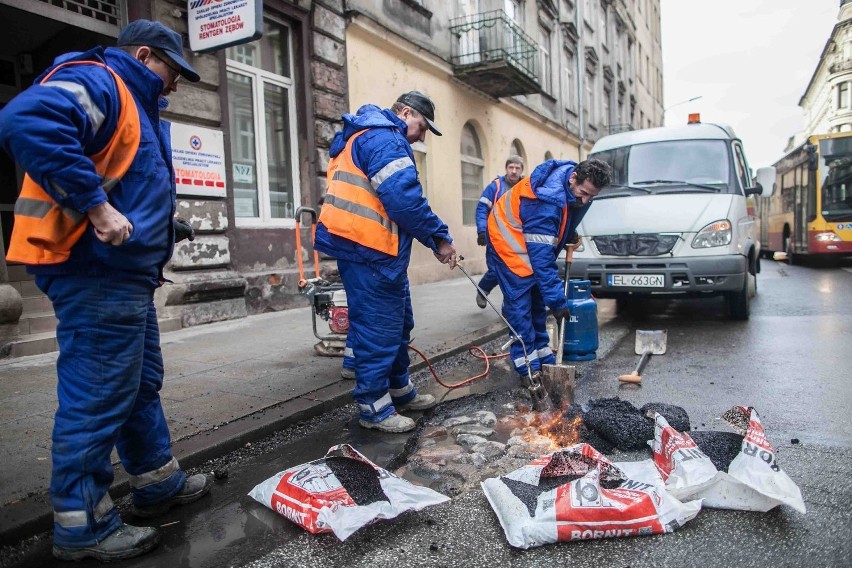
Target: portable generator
{"x": 328, "y": 299}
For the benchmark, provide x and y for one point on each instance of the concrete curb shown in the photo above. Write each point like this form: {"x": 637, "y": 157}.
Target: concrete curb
{"x": 34, "y": 514}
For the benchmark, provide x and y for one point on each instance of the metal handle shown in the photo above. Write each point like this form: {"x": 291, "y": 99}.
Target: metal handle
{"x": 643, "y": 360}
{"x": 560, "y": 336}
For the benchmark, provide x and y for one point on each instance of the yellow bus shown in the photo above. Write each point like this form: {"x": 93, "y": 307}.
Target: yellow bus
{"x": 810, "y": 212}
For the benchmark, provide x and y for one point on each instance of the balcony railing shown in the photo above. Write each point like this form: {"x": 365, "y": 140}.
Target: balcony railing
{"x": 492, "y": 53}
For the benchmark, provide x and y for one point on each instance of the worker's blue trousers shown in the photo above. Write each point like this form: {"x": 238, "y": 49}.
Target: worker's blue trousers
{"x": 528, "y": 315}
{"x": 489, "y": 279}
{"x": 348, "y": 354}
{"x": 110, "y": 371}
{"x": 380, "y": 324}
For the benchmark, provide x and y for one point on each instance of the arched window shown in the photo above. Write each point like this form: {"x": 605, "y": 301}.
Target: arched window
{"x": 517, "y": 149}
{"x": 472, "y": 167}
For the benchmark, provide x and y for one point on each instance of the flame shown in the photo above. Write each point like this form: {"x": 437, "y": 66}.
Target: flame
{"x": 561, "y": 432}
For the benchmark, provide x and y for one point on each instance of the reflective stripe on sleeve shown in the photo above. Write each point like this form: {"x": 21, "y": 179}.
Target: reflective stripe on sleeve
{"x": 155, "y": 476}
{"x": 82, "y": 95}
{"x": 390, "y": 169}
{"x": 348, "y": 352}
{"x": 488, "y": 203}
{"x": 539, "y": 238}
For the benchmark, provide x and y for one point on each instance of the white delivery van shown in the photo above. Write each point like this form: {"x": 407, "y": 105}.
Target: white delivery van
{"x": 674, "y": 222}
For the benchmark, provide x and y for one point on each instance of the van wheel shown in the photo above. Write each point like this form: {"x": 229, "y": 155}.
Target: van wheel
{"x": 739, "y": 302}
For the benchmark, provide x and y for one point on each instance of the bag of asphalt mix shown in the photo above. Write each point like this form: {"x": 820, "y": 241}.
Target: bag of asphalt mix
{"x": 576, "y": 493}
{"x": 725, "y": 470}
{"x": 341, "y": 493}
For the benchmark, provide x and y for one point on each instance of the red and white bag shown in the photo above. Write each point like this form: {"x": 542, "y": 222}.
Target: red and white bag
{"x": 313, "y": 497}
{"x": 596, "y": 500}
{"x": 684, "y": 468}
{"x": 754, "y": 481}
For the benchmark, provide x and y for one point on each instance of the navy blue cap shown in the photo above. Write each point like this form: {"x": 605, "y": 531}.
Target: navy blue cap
{"x": 155, "y": 34}
{"x": 422, "y": 104}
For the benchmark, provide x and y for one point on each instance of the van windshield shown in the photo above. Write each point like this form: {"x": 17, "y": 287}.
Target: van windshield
{"x": 670, "y": 166}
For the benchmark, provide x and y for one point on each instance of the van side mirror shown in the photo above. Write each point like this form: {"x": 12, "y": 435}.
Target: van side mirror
{"x": 764, "y": 182}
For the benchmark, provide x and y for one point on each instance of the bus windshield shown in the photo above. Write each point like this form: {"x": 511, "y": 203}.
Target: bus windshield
{"x": 669, "y": 166}
{"x": 836, "y": 174}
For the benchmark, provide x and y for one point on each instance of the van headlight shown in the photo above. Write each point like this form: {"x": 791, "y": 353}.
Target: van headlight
{"x": 716, "y": 234}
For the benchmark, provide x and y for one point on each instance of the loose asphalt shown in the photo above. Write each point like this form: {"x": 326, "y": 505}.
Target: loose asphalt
{"x": 225, "y": 384}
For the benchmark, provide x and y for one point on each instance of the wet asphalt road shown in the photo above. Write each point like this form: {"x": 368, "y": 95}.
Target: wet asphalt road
{"x": 791, "y": 361}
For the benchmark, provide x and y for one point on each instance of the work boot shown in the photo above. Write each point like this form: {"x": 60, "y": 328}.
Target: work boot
{"x": 395, "y": 423}
{"x": 193, "y": 489}
{"x": 419, "y": 402}
{"x": 347, "y": 373}
{"x": 481, "y": 301}
{"x": 126, "y": 542}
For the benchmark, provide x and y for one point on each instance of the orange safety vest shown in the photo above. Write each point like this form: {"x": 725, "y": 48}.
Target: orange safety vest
{"x": 352, "y": 209}
{"x": 45, "y": 231}
{"x": 507, "y": 232}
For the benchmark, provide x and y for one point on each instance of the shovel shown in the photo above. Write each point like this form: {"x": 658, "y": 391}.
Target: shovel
{"x": 558, "y": 379}
{"x": 647, "y": 343}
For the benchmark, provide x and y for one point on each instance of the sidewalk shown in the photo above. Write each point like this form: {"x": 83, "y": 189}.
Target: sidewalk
{"x": 226, "y": 384}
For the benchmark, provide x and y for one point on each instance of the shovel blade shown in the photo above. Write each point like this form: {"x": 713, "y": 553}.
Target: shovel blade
{"x": 559, "y": 382}
{"x": 652, "y": 341}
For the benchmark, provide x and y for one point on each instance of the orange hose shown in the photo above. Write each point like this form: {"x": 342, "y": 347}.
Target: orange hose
{"x": 474, "y": 350}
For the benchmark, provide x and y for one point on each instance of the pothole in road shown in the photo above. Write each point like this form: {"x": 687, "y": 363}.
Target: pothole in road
{"x": 482, "y": 436}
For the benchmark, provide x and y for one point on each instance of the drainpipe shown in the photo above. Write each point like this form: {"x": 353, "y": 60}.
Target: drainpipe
{"x": 581, "y": 77}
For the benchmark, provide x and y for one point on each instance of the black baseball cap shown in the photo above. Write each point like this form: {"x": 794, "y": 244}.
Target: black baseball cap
{"x": 422, "y": 104}
{"x": 155, "y": 34}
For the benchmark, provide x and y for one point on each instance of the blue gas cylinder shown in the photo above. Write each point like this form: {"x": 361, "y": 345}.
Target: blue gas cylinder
{"x": 581, "y": 330}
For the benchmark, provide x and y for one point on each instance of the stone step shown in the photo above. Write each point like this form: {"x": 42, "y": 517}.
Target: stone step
{"x": 26, "y": 288}
{"x": 36, "y": 322}
{"x": 37, "y": 304}
{"x": 34, "y": 344}
{"x": 37, "y": 343}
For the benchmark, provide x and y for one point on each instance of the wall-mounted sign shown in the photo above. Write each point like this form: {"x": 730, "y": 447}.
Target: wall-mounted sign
{"x": 198, "y": 157}
{"x": 214, "y": 24}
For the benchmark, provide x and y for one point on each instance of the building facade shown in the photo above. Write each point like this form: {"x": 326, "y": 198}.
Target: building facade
{"x": 539, "y": 78}
{"x": 827, "y": 101}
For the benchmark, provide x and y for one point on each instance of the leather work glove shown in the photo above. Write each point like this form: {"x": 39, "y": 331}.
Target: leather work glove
{"x": 183, "y": 230}
{"x": 480, "y": 239}
{"x": 574, "y": 239}
{"x": 560, "y": 314}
